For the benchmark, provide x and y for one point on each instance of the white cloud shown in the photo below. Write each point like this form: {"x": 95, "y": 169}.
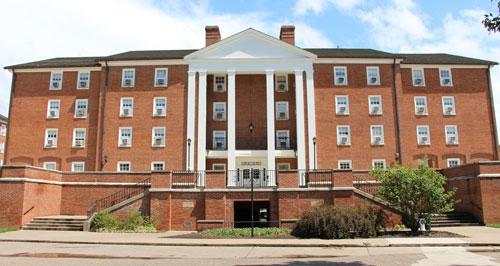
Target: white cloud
{"x": 302, "y": 7}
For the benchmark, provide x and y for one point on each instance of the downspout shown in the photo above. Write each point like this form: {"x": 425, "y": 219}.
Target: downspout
{"x": 493, "y": 116}
{"x": 399, "y": 156}
{"x": 103, "y": 114}
{"x": 7, "y": 139}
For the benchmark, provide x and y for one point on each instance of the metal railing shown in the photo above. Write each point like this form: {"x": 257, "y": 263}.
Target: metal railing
{"x": 245, "y": 178}
{"x": 367, "y": 185}
{"x": 319, "y": 178}
{"x": 186, "y": 179}
{"x": 119, "y": 196}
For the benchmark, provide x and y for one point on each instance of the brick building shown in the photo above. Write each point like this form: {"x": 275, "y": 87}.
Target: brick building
{"x": 249, "y": 105}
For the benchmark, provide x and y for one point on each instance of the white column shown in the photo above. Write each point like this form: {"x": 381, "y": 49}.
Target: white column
{"x": 311, "y": 116}
{"x": 202, "y": 124}
{"x": 301, "y": 145}
{"x": 191, "y": 100}
{"x": 231, "y": 125}
{"x": 271, "y": 156}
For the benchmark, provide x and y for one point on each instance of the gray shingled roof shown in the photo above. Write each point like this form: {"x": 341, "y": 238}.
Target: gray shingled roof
{"x": 349, "y": 53}
{"x": 59, "y": 62}
{"x": 149, "y": 55}
{"x": 443, "y": 59}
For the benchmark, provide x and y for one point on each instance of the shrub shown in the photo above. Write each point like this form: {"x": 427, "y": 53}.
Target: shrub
{"x": 134, "y": 222}
{"x": 245, "y": 232}
{"x": 103, "y": 219}
{"x": 329, "y": 222}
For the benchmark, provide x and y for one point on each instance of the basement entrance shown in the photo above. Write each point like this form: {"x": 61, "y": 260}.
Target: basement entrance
{"x": 243, "y": 214}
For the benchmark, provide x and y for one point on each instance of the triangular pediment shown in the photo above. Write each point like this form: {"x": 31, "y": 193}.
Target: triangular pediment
{"x": 250, "y": 44}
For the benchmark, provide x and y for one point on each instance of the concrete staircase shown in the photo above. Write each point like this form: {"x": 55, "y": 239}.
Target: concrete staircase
{"x": 453, "y": 219}
{"x": 56, "y": 223}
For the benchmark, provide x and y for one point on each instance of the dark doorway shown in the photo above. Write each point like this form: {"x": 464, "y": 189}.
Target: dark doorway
{"x": 243, "y": 214}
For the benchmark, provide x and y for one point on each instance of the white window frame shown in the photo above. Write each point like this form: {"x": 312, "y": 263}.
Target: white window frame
{"x": 426, "y": 109}
{"x": 2, "y": 147}
{"x": 219, "y": 164}
{"x": 287, "y": 133}
{"x": 120, "y": 137}
{"x": 224, "y": 86}
{"x": 79, "y": 81}
{"x": 46, "y": 164}
{"x": 86, "y": 101}
{"x": 157, "y": 162}
{"x": 277, "y": 83}
{"x": 163, "y": 138}
{"x": 60, "y": 82}
{"x": 428, "y": 135}
{"x": 74, "y": 164}
{"x": 54, "y": 139}
{"x": 371, "y": 106}
{"x": 340, "y": 162}
{"x": 372, "y": 136}
{"x": 447, "y": 136}
{"x": 214, "y": 142}
{"x": 58, "y": 112}
{"x": 335, "y": 77}
{"x": 338, "y": 106}
{"x": 368, "y": 79}
{"x": 441, "y": 78}
{"x": 414, "y": 78}
{"x": 449, "y": 160}
{"x": 287, "y": 111}
{"x": 3, "y": 130}
{"x": 215, "y": 112}
{"x": 84, "y": 130}
{"x": 454, "y": 109}
{"x": 165, "y": 83}
{"x": 155, "y": 107}
{"x": 123, "y": 78}
{"x": 123, "y": 162}
{"x": 348, "y": 135}
{"x": 375, "y": 161}
{"x": 288, "y": 166}
{"x": 131, "y": 111}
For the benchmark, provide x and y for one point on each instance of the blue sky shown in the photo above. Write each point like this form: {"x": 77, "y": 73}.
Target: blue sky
{"x": 39, "y": 29}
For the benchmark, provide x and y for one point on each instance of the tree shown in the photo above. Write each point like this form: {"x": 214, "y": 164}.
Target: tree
{"x": 416, "y": 192}
{"x": 492, "y": 22}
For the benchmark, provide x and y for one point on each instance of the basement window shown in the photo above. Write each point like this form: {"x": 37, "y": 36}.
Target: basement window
{"x": 345, "y": 164}
{"x": 157, "y": 166}
{"x": 123, "y": 167}
{"x": 378, "y": 163}
{"x": 453, "y": 162}
{"x": 50, "y": 165}
{"x": 78, "y": 167}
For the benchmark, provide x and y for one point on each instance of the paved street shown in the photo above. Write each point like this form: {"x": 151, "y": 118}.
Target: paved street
{"x": 16, "y": 253}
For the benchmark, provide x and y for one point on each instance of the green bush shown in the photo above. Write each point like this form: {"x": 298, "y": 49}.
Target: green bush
{"x": 134, "y": 222}
{"x": 329, "y": 222}
{"x": 102, "y": 220}
{"x": 245, "y": 232}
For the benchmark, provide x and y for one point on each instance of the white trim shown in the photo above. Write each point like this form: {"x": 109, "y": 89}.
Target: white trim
{"x": 132, "y": 85}
{"x": 270, "y": 121}
{"x": 202, "y": 122}
{"x": 164, "y": 110}
{"x": 348, "y": 143}
{"x": 287, "y": 113}
{"x": 78, "y": 80}
{"x": 441, "y": 78}
{"x": 60, "y": 83}
{"x": 428, "y": 135}
{"x": 426, "y": 111}
{"x": 55, "y": 140}
{"x": 276, "y": 85}
{"x": 371, "y": 106}
{"x": 223, "y": 84}
{"x": 120, "y": 137}
{"x": 73, "y": 164}
{"x": 413, "y": 76}
{"x": 368, "y": 82}
{"x": 231, "y": 124}
{"x": 59, "y": 69}
{"x": 214, "y": 111}
{"x": 131, "y": 111}
{"x": 157, "y": 162}
{"x": 454, "y": 111}
{"x": 86, "y": 108}
{"x": 338, "y": 106}
{"x": 446, "y": 134}
{"x": 346, "y": 80}
{"x": 441, "y": 66}
{"x": 224, "y": 145}
{"x": 156, "y": 77}
{"x": 372, "y": 137}
{"x": 123, "y": 162}
{"x": 58, "y": 109}
{"x": 287, "y": 132}
{"x": 84, "y": 138}
{"x": 157, "y": 62}
{"x": 41, "y": 181}
{"x": 153, "y": 137}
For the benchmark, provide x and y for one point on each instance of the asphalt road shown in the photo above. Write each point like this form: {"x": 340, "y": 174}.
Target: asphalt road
{"x": 18, "y": 253}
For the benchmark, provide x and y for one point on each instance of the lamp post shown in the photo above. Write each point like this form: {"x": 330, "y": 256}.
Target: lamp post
{"x": 189, "y": 153}
{"x": 314, "y": 146}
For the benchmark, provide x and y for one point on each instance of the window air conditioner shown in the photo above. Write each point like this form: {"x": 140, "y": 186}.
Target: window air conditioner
{"x": 159, "y": 111}
{"x": 375, "y": 109}
{"x": 377, "y": 140}
{"x": 452, "y": 140}
{"x": 340, "y": 80}
{"x": 282, "y": 115}
{"x": 50, "y": 143}
{"x": 281, "y": 87}
{"x": 124, "y": 142}
{"x": 78, "y": 143}
{"x": 343, "y": 140}
{"x": 55, "y": 84}
{"x": 80, "y": 113}
{"x": 128, "y": 82}
{"x": 418, "y": 81}
{"x": 449, "y": 110}
{"x": 219, "y": 87}
{"x": 219, "y": 116}
{"x": 53, "y": 113}
{"x": 158, "y": 141}
{"x": 160, "y": 82}
{"x": 342, "y": 109}
{"x": 373, "y": 80}
{"x": 219, "y": 145}
{"x": 126, "y": 112}
{"x": 446, "y": 81}
{"x": 421, "y": 109}
{"x": 83, "y": 84}
{"x": 423, "y": 140}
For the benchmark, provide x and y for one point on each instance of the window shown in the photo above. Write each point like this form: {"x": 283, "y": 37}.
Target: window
{"x": 79, "y": 137}
{"x": 83, "y": 80}
{"x": 282, "y": 139}
{"x": 219, "y": 83}
{"x": 342, "y": 104}
{"x": 127, "y": 107}
{"x": 128, "y": 77}
{"x": 340, "y": 76}
{"x": 452, "y": 162}
{"x": 161, "y": 77}
{"x": 343, "y": 135}
{"x": 51, "y": 138}
{"x": 218, "y": 167}
{"x": 123, "y": 167}
{"x": 373, "y": 75}
{"x": 451, "y": 134}
{"x": 281, "y": 83}
{"x": 283, "y": 166}
{"x": 50, "y": 165}
{"x": 449, "y": 105}
{"x": 219, "y": 140}
{"x": 345, "y": 164}
{"x": 78, "y": 167}
{"x": 125, "y": 137}
{"x": 2, "y": 147}
{"x": 219, "y": 111}
{"x": 281, "y": 110}
{"x": 159, "y": 106}
{"x": 420, "y": 105}
{"x": 158, "y": 136}
{"x": 377, "y": 135}
{"x": 417, "y": 76}
{"x": 157, "y": 166}
{"x": 445, "y": 77}
{"x": 3, "y": 130}
{"x": 423, "y": 137}
{"x": 56, "y": 80}
{"x": 81, "y": 107}
{"x": 378, "y": 163}
{"x": 375, "y": 104}
{"x": 53, "y": 109}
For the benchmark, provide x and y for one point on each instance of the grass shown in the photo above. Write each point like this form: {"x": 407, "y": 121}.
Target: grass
{"x": 4, "y": 230}
{"x": 245, "y": 232}
{"x": 493, "y": 225}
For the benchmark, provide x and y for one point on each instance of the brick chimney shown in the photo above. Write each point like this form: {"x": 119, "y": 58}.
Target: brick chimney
{"x": 287, "y": 34}
{"x": 212, "y": 35}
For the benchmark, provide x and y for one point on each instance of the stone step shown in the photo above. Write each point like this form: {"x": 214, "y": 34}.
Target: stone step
{"x": 52, "y": 228}
{"x": 456, "y": 224}
{"x": 56, "y": 221}
{"x": 59, "y": 219}
{"x": 54, "y": 224}
{"x": 454, "y": 221}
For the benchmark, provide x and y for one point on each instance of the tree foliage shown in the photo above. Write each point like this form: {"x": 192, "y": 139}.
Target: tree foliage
{"x": 416, "y": 192}
{"x": 492, "y": 22}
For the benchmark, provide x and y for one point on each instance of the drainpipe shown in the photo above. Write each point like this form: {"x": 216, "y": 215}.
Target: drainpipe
{"x": 493, "y": 116}
{"x": 7, "y": 139}
{"x": 396, "y": 113}
{"x": 103, "y": 114}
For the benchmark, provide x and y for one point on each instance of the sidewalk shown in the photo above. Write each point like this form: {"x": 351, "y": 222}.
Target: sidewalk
{"x": 474, "y": 236}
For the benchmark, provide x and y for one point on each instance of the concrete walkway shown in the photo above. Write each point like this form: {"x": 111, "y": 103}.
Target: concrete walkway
{"x": 474, "y": 236}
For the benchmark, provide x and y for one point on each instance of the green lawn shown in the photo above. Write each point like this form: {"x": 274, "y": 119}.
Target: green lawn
{"x": 493, "y": 225}
{"x": 3, "y": 230}
{"x": 245, "y": 232}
